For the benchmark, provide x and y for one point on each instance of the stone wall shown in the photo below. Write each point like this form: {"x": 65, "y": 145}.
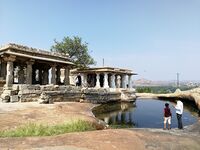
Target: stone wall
{"x": 100, "y": 95}
{"x": 29, "y": 93}
{"x": 1, "y": 90}
{"x": 64, "y": 96}
{"x": 81, "y": 95}
{"x": 2, "y": 82}
{"x": 55, "y": 93}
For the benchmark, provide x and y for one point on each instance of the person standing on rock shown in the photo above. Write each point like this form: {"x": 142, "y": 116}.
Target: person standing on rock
{"x": 179, "y": 112}
{"x": 167, "y": 116}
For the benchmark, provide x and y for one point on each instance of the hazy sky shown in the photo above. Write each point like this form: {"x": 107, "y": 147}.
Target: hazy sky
{"x": 155, "y": 38}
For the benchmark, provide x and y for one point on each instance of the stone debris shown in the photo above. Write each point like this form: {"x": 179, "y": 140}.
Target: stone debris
{"x": 45, "y": 99}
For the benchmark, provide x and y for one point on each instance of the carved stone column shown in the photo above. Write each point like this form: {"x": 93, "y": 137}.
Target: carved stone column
{"x": 105, "y": 84}
{"x": 9, "y": 69}
{"x": 97, "y": 80}
{"x": 85, "y": 80}
{"x": 29, "y": 71}
{"x": 129, "y": 81}
{"x": 113, "y": 81}
{"x": 53, "y": 74}
{"x": 118, "y": 81}
{"x": 66, "y": 74}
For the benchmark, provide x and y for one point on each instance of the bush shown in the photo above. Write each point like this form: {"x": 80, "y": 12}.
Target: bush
{"x": 144, "y": 90}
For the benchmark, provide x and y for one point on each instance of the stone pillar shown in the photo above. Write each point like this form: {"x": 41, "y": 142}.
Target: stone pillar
{"x": 10, "y": 70}
{"x": 83, "y": 80}
{"x": 123, "y": 79}
{"x": 66, "y": 74}
{"x": 113, "y": 81}
{"x": 129, "y": 81}
{"x": 58, "y": 75}
{"x": 105, "y": 84}
{"x": 29, "y": 71}
{"x": 21, "y": 75}
{"x": 53, "y": 74}
{"x": 118, "y": 81}
{"x": 9, "y": 76}
{"x": 46, "y": 76}
{"x": 97, "y": 81}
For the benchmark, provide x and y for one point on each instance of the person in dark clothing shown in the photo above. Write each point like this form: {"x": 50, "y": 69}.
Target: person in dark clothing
{"x": 167, "y": 116}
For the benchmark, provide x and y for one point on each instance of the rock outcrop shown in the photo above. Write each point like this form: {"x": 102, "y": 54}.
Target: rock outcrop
{"x": 190, "y": 95}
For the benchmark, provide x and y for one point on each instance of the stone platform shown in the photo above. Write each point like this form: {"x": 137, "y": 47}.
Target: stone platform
{"x": 62, "y": 93}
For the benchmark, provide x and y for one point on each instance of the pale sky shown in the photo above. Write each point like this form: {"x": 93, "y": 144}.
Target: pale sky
{"x": 155, "y": 38}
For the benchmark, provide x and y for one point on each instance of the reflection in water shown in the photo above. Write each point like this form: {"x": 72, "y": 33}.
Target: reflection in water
{"x": 142, "y": 114}
{"x": 116, "y": 113}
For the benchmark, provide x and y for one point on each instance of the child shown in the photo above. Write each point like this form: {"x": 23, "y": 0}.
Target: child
{"x": 167, "y": 116}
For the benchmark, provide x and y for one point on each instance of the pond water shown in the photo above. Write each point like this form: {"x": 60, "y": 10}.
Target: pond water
{"x": 144, "y": 113}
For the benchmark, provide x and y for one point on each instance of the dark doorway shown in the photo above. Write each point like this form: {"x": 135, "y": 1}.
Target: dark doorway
{"x": 101, "y": 80}
{"x": 78, "y": 80}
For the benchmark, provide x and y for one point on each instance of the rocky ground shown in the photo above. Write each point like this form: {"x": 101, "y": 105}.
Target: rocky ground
{"x": 12, "y": 115}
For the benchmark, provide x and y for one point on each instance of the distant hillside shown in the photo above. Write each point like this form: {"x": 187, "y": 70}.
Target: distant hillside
{"x": 146, "y": 82}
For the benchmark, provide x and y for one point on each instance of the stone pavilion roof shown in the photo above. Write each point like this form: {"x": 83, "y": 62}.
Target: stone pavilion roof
{"x": 104, "y": 69}
{"x": 34, "y": 53}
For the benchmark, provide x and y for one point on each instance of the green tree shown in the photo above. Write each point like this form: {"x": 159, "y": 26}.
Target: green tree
{"x": 77, "y": 50}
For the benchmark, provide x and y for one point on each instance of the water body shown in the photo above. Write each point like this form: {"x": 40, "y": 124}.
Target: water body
{"x": 144, "y": 113}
